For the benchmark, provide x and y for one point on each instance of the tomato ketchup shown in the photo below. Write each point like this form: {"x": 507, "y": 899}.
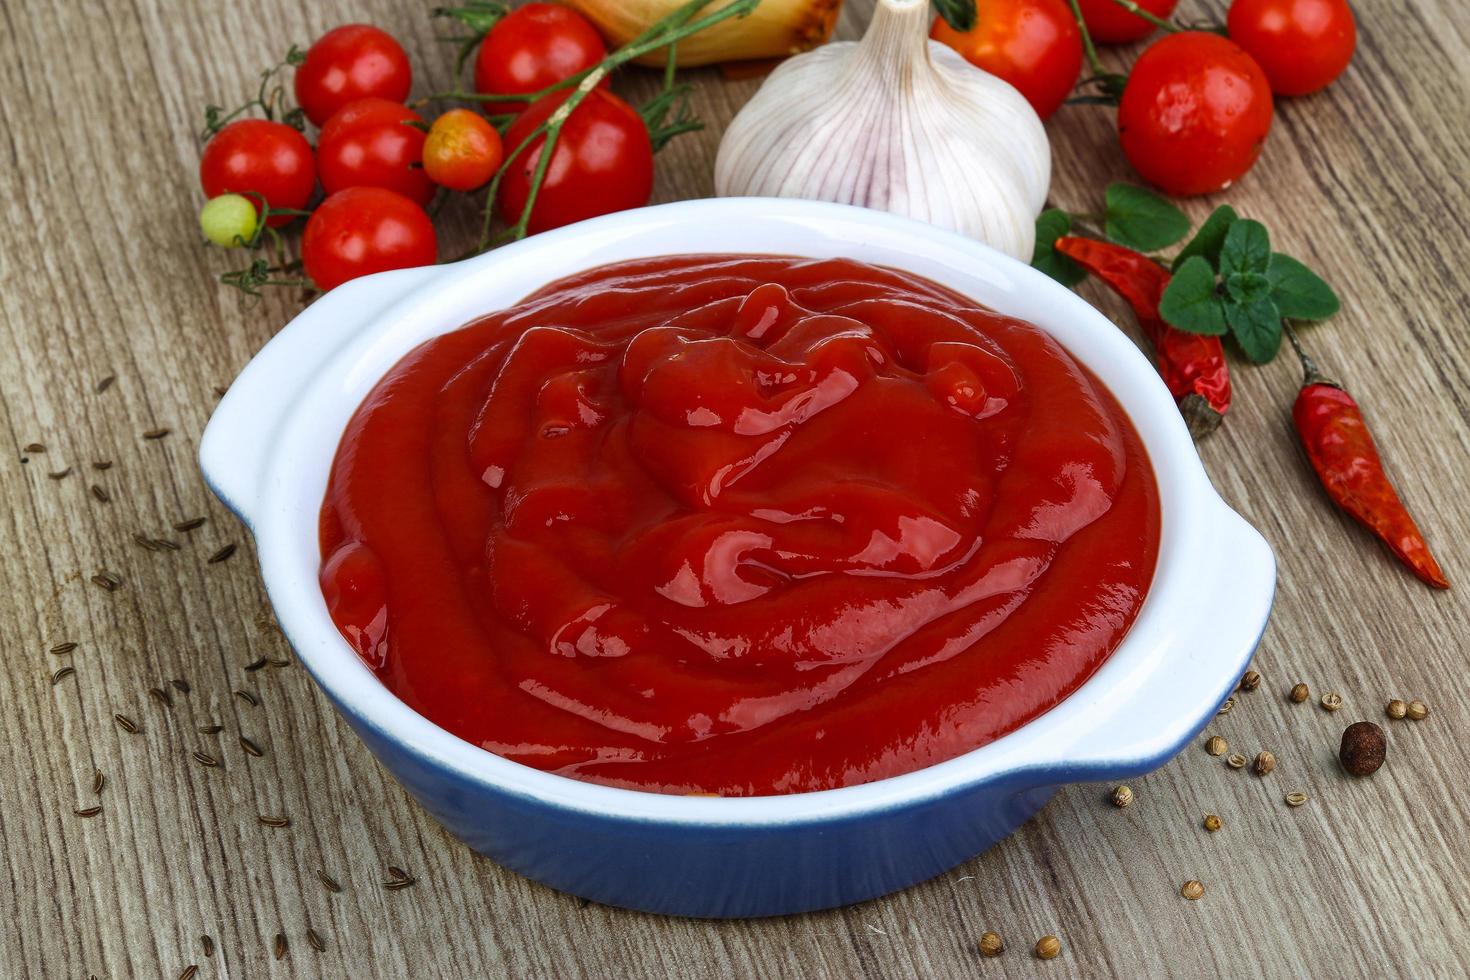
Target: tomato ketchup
{"x": 737, "y": 525}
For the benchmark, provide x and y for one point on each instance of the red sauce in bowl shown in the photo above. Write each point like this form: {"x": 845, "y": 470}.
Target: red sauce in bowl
{"x": 737, "y": 525}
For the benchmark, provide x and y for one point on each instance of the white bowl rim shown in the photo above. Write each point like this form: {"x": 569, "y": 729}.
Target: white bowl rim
{"x": 1206, "y": 609}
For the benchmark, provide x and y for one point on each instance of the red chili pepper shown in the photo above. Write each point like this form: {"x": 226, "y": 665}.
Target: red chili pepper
{"x": 1341, "y": 449}
{"x": 1193, "y": 366}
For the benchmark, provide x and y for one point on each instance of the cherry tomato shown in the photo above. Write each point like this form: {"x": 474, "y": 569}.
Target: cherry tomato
{"x": 1109, "y": 23}
{"x": 1195, "y": 113}
{"x": 532, "y": 47}
{"x": 1033, "y": 44}
{"x": 348, "y": 63}
{"x": 362, "y": 230}
{"x": 463, "y": 151}
{"x": 603, "y": 162}
{"x": 256, "y": 156}
{"x": 1302, "y": 44}
{"x": 369, "y": 143}
{"x": 229, "y": 220}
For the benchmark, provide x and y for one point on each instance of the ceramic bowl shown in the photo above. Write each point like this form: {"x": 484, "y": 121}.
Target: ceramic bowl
{"x": 267, "y": 453}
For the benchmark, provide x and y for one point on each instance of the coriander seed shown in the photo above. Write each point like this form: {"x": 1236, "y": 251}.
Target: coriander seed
{"x": 1299, "y": 693}
{"x": 1331, "y": 701}
{"x": 1250, "y": 681}
{"x": 1295, "y": 799}
{"x": 1192, "y": 890}
{"x": 1215, "y": 745}
{"x": 1363, "y": 748}
{"x": 1396, "y": 709}
{"x": 1048, "y": 947}
{"x": 1236, "y": 761}
{"x": 1122, "y": 796}
{"x": 991, "y": 944}
{"x": 1417, "y": 710}
{"x": 1212, "y": 822}
{"x": 1265, "y": 762}
{"x": 1225, "y": 708}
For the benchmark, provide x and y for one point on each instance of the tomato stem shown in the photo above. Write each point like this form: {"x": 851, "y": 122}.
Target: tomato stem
{"x": 1148, "y": 15}
{"x": 267, "y": 99}
{"x": 1093, "y": 61}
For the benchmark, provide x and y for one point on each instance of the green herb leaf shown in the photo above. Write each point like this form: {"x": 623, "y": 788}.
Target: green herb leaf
{"x": 1298, "y": 292}
{"x": 959, "y": 14}
{"x": 1256, "y": 327}
{"x": 1247, "y": 248}
{"x": 1207, "y": 241}
{"x": 1247, "y": 287}
{"x": 1191, "y": 302}
{"x": 1141, "y": 219}
{"x": 1052, "y": 224}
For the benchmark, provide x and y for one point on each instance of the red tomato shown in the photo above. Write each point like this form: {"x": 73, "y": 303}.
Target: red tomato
{"x": 257, "y": 156}
{"x": 1109, "y": 23}
{"x": 1033, "y": 44}
{"x": 1195, "y": 113}
{"x": 603, "y": 162}
{"x": 370, "y": 144}
{"x": 532, "y": 47}
{"x": 463, "y": 151}
{"x": 350, "y": 63}
{"x": 1302, "y": 44}
{"x": 363, "y": 230}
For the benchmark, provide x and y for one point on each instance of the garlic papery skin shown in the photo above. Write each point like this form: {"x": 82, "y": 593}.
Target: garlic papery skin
{"x": 898, "y": 123}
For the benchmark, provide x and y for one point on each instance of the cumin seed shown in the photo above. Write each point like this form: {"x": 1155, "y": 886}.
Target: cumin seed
{"x": 145, "y": 541}
{"x": 98, "y": 781}
{"x": 63, "y": 648}
{"x": 126, "y": 724}
{"x": 248, "y": 698}
{"x": 281, "y": 662}
{"x": 328, "y": 882}
{"x": 280, "y": 945}
{"x": 190, "y": 524}
{"x": 60, "y": 674}
{"x": 90, "y": 811}
{"x": 102, "y": 464}
{"x": 275, "y": 821}
{"x": 33, "y": 447}
{"x": 107, "y": 580}
{"x": 208, "y": 943}
{"x": 222, "y": 554}
{"x": 180, "y": 685}
{"x": 211, "y": 729}
{"x": 60, "y": 474}
{"x": 161, "y": 696}
{"x": 317, "y": 942}
{"x": 205, "y": 759}
{"x": 156, "y": 433}
{"x": 250, "y": 747}
{"x": 189, "y": 972}
{"x": 106, "y": 383}
{"x": 101, "y": 495}
{"x": 399, "y": 879}
{"x": 255, "y": 665}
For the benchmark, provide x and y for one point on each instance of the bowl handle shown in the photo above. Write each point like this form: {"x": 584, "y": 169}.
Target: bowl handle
{"x": 235, "y": 450}
{"x": 1166, "y": 703}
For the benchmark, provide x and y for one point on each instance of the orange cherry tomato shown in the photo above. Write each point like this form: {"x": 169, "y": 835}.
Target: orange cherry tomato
{"x": 463, "y": 151}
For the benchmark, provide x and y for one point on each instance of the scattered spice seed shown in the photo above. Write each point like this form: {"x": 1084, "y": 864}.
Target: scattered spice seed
{"x": 156, "y": 433}
{"x": 1396, "y": 709}
{"x": 328, "y": 882}
{"x": 223, "y": 554}
{"x": 126, "y": 724}
{"x": 161, "y": 696}
{"x": 255, "y": 665}
{"x": 1418, "y": 710}
{"x": 991, "y": 944}
{"x": 106, "y": 383}
{"x": 1122, "y": 796}
{"x": 190, "y": 525}
{"x": 280, "y": 945}
{"x": 1216, "y": 745}
{"x": 102, "y": 464}
{"x": 101, "y": 495}
{"x": 60, "y": 674}
{"x": 211, "y": 729}
{"x": 60, "y": 474}
{"x": 1225, "y": 708}
{"x": 34, "y": 447}
{"x": 1331, "y": 701}
{"x": 204, "y": 758}
{"x": 1048, "y": 947}
{"x": 189, "y": 972}
{"x": 398, "y": 878}
{"x": 1295, "y": 799}
{"x": 1363, "y": 749}
{"x": 1299, "y": 693}
{"x": 1250, "y": 681}
{"x": 317, "y": 942}
{"x": 248, "y": 698}
{"x": 1265, "y": 762}
{"x": 98, "y": 781}
{"x": 1192, "y": 890}
{"x": 1212, "y": 822}
{"x": 275, "y": 821}
{"x": 180, "y": 685}
{"x": 63, "y": 648}
{"x": 1236, "y": 761}
{"x": 107, "y": 581}
{"x": 208, "y": 943}
{"x": 281, "y": 662}
{"x": 219, "y": 391}
{"x": 90, "y": 811}
{"x": 250, "y": 747}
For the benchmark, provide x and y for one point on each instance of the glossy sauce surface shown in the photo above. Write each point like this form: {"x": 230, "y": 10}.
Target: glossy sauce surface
{"x": 737, "y": 525}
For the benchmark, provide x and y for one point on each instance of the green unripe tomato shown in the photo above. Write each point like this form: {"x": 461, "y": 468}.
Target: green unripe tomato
{"x": 229, "y": 220}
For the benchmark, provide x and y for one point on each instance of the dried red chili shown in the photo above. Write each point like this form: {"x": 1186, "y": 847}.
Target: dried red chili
{"x": 1331, "y": 427}
{"x": 1193, "y": 366}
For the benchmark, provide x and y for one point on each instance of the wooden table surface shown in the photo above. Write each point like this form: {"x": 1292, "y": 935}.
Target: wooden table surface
{"x": 103, "y": 276}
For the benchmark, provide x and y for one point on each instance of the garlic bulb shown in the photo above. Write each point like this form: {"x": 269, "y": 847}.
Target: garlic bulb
{"x": 775, "y": 29}
{"x": 898, "y": 123}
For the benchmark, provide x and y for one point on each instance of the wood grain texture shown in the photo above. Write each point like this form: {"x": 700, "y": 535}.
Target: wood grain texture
{"x": 102, "y": 274}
